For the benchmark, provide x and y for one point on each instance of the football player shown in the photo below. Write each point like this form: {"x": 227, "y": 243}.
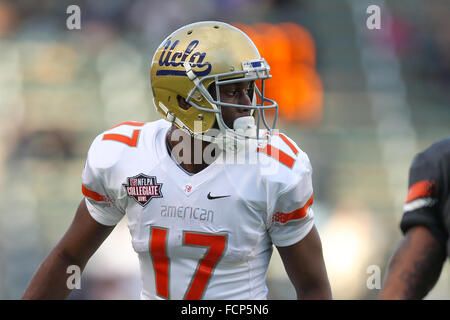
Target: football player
{"x": 417, "y": 263}
{"x": 207, "y": 191}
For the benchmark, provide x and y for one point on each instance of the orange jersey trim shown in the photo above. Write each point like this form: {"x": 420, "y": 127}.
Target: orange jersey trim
{"x": 294, "y": 215}
{"x": 286, "y": 140}
{"x": 132, "y": 142}
{"x": 92, "y": 194}
{"x": 277, "y": 154}
{"x": 421, "y": 189}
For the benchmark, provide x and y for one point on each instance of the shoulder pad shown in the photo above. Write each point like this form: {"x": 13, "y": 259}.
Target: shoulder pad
{"x": 121, "y": 141}
{"x": 283, "y": 162}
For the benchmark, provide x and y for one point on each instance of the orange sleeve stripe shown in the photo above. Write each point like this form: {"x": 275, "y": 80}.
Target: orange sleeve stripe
{"x": 92, "y": 194}
{"x": 286, "y": 140}
{"x": 294, "y": 215}
{"x": 279, "y": 155}
{"x": 421, "y": 189}
{"x": 130, "y": 123}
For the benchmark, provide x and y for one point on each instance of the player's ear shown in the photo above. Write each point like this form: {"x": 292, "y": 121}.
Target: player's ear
{"x": 182, "y": 103}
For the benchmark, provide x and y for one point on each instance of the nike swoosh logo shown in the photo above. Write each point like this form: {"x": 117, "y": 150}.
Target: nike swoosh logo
{"x": 210, "y": 197}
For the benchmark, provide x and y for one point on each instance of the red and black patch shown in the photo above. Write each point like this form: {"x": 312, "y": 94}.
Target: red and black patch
{"x": 143, "y": 188}
{"x": 422, "y": 189}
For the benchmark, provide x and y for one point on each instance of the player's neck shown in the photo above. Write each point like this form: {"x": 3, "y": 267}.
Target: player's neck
{"x": 187, "y": 151}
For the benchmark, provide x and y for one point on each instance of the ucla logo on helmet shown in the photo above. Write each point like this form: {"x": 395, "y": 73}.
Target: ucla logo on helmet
{"x": 171, "y": 58}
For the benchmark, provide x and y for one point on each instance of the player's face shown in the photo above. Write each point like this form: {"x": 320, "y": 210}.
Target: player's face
{"x": 237, "y": 93}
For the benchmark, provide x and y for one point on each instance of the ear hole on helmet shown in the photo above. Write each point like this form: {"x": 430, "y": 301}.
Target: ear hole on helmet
{"x": 182, "y": 103}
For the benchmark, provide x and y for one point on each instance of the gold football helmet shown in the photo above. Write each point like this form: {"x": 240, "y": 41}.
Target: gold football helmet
{"x": 193, "y": 58}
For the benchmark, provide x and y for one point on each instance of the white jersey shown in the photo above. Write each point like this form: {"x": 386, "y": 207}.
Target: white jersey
{"x": 203, "y": 236}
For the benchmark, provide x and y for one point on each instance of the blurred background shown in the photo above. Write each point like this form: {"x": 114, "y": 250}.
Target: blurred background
{"x": 360, "y": 102}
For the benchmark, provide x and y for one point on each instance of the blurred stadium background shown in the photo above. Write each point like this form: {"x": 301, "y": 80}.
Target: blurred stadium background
{"x": 360, "y": 102}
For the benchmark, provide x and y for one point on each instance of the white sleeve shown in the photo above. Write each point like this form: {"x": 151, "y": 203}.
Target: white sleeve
{"x": 292, "y": 217}
{"x": 99, "y": 200}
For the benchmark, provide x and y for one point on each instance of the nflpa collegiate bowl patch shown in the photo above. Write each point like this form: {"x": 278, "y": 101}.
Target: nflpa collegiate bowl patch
{"x": 143, "y": 188}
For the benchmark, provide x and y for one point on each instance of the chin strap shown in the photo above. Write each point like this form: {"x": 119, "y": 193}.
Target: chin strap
{"x": 233, "y": 140}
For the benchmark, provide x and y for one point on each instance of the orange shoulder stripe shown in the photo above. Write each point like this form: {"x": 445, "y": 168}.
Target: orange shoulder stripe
{"x": 286, "y": 140}
{"x": 277, "y": 154}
